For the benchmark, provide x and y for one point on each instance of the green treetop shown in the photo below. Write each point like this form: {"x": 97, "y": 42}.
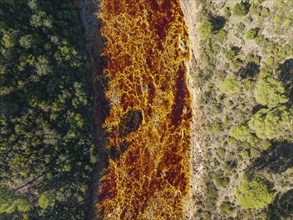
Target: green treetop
{"x": 254, "y": 194}
{"x": 270, "y": 92}
{"x": 10, "y": 201}
{"x": 46, "y": 200}
{"x": 252, "y": 33}
{"x": 240, "y": 9}
{"x": 230, "y": 86}
{"x": 205, "y": 29}
{"x": 240, "y": 132}
{"x": 272, "y": 124}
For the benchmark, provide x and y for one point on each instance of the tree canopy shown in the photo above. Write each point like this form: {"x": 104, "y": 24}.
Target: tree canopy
{"x": 46, "y": 140}
{"x": 254, "y": 194}
{"x": 46, "y": 200}
{"x": 241, "y": 9}
{"x": 270, "y": 92}
{"x": 230, "y": 86}
{"x": 252, "y": 33}
{"x": 205, "y": 29}
{"x": 273, "y": 124}
{"x": 10, "y": 201}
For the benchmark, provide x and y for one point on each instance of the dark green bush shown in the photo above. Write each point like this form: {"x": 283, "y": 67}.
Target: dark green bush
{"x": 252, "y": 33}
{"x": 241, "y": 9}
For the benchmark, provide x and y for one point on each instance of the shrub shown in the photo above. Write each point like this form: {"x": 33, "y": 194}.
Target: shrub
{"x": 245, "y": 154}
{"x": 252, "y": 33}
{"x": 240, "y": 132}
{"x": 255, "y": 193}
{"x": 226, "y": 208}
{"x": 221, "y": 181}
{"x": 240, "y": 9}
{"x": 227, "y": 11}
{"x": 205, "y": 29}
{"x": 269, "y": 60}
{"x": 232, "y": 53}
{"x": 23, "y": 205}
{"x": 230, "y": 86}
{"x": 265, "y": 12}
{"x": 45, "y": 200}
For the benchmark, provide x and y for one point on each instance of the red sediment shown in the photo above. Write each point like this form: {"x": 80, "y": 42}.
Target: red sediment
{"x": 149, "y": 177}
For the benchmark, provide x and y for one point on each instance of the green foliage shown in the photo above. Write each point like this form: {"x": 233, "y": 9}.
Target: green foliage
{"x": 26, "y": 41}
{"x": 252, "y": 33}
{"x": 240, "y": 9}
{"x": 240, "y": 132}
{"x": 212, "y": 195}
{"x": 270, "y": 93}
{"x": 247, "y": 116}
{"x": 254, "y": 193}
{"x": 46, "y": 200}
{"x": 9, "y": 39}
{"x": 222, "y": 181}
{"x": 230, "y": 86}
{"x": 272, "y": 124}
{"x": 23, "y": 205}
{"x": 11, "y": 202}
{"x": 226, "y": 208}
{"x": 45, "y": 109}
{"x": 227, "y": 11}
{"x": 205, "y": 29}
{"x": 232, "y": 53}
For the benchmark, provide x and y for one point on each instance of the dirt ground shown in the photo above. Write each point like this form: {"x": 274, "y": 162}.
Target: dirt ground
{"x": 190, "y": 12}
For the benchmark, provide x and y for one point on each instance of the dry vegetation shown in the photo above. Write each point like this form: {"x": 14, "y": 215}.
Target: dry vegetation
{"x": 246, "y": 83}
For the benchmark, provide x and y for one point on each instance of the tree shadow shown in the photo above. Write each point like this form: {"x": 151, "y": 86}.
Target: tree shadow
{"x": 282, "y": 206}
{"x": 256, "y": 108}
{"x": 218, "y": 22}
{"x": 250, "y": 71}
{"x": 95, "y": 45}
{"x": 276, "y": 159}
{"x": 286, "y": 76}
{"x": 115, "y": 152}
{"x": 130, "y": 122}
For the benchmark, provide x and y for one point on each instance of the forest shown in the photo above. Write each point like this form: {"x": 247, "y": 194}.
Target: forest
{"x": 246, "y": 81}
{"x": 46, "y": 136}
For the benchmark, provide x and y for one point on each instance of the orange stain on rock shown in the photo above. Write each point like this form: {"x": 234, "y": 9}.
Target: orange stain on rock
{"x": 150, "y": 115}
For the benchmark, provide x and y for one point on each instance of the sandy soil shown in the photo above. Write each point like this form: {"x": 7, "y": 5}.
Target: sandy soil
{"x": 190, "y": 11}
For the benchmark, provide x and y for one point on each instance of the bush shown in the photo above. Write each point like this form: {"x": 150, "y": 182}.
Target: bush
{"x": 227, "y": 12}
{"x": 205, "y": 29}
{"x": 226, "y": 208}
{"x": 230, "y": 86}
{"x": 252, "y": 33}
{"x": 240, "y": 9}
{"x": 240, "y": 132}
{"x": 232, "y": 53}
{"x": 254, "y": 193}
{"x": 222, "y": 181}
{"x": 45, "y": 201}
